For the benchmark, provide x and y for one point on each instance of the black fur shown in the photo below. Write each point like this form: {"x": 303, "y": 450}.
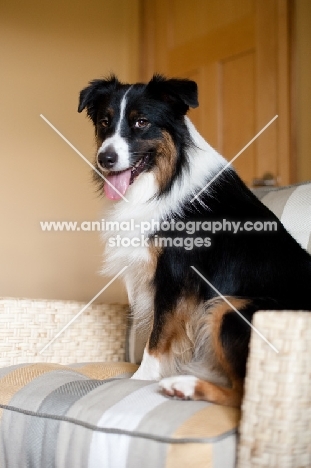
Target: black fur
{"x": 269, "y": 268}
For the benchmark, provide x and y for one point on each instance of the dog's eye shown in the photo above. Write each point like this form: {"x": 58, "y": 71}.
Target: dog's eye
{"x": 141, "y": 123}
{"x": 105, "y": 122}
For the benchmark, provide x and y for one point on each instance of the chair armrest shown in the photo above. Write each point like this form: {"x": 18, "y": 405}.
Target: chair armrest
{"x": 276, "y": 418}
{"x": 26, "y": 326}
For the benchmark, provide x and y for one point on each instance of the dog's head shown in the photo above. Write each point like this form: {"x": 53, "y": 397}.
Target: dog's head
{"x": 139, "y": 128}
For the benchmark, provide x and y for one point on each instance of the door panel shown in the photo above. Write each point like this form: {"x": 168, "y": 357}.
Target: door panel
{"x": 237, "y": 51}
{"x": 237, "y": 109}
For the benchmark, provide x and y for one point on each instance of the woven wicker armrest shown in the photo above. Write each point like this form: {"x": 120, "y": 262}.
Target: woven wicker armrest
{"x": 97, "y": 333}
{"x": 275, "y": 428}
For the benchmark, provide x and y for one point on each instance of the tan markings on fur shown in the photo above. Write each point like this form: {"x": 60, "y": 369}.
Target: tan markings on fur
{"x": 190, "y": 344}
{"x": 142, "y": 286}
{"x": 177, "y": 337}
{"x": 166, "y": 159}
{"x": 216, "y": 394}
{"x": 142, "y": 299}
{"x": 154, "y": 252}
{"x": 133, "y": 115}
{"x": 206, "y": 390}
{"x": 147, "y": 273}
{"x": 99, "y": 142}
{"x": 217, "y": 318}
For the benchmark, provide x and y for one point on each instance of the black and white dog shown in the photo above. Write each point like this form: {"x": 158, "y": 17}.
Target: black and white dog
{"x": 154, "y": 164}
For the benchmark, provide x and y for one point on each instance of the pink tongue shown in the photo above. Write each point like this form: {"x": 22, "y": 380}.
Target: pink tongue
{"x": 119, "y": 182}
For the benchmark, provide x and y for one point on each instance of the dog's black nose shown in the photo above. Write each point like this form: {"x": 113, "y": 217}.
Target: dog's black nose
{"x": 107, "y": 159}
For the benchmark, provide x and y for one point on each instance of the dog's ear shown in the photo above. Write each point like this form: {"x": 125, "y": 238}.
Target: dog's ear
{"x": 181, "y": 93}
{"x": 92, "y": 95}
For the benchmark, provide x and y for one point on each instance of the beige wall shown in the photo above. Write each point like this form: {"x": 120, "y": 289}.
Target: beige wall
{"x": 303, "y": 91}
{"x": 49, "y": 51}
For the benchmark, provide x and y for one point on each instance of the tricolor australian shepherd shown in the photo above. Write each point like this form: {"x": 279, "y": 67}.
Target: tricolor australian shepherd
{"x": 196, "y": 297}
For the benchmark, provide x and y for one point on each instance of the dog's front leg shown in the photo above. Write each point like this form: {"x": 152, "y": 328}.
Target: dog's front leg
{"x": 149, "y": 368}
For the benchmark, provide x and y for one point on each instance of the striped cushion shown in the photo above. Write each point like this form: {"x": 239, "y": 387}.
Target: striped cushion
{"x": 53, "y": 415}
{"x": 292, "y": 205}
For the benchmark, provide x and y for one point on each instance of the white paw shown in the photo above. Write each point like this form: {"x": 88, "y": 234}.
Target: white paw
{"x": 181, "y": 386}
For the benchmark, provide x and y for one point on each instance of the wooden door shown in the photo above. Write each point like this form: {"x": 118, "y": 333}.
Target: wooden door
{"x": 238, "y": 53}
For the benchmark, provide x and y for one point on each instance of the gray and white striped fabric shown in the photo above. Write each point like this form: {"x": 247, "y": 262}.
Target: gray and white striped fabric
{"x": 292, "y": 205}
{"x": 57, "y": 416}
